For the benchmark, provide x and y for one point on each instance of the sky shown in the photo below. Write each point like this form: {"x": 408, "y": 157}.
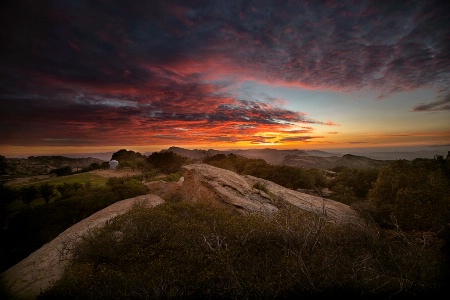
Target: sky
{"x": 97, "y": 76}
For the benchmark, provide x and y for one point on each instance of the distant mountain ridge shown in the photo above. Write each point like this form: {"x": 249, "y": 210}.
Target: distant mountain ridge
{"x": 272, "y": 156}
{"x": 298, "y": 158}
{"x": 393, "y": 155}
{"x": 327, "y": 163}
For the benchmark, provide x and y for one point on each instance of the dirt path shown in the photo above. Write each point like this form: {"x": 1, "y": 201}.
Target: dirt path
{"x": 30, "y": 180}
{"x": 116, "y": 173}
{"x": 44, "y": 178}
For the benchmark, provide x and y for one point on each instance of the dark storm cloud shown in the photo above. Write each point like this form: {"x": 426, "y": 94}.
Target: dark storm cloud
{"x": 443, "y": 104}
{"x": 299, "y": 138}
{"x": 389, "y": 46}
{"x": 256, "y": 112}
{"x": 86, "y": 67}
{"x": 337, "y": 45}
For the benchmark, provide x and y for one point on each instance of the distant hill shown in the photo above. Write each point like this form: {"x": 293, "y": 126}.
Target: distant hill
{"x": 39, "y": 165}
{"x": 272, "y": 156}
{"x": 298, "y": 158}
{"x": 408, "y": 155}
{"x": 327, "y": 163}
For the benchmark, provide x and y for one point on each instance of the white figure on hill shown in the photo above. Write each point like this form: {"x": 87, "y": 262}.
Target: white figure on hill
{"x": 113, "y": 164}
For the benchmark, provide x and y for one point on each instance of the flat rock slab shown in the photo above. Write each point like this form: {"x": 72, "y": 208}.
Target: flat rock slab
{"x": 37, "y": 272}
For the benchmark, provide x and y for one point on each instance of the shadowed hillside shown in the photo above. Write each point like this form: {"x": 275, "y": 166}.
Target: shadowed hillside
{"x": 40, "y": 165}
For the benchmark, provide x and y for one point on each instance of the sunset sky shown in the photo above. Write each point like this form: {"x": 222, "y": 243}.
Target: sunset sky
{"x": 97, "y": 76}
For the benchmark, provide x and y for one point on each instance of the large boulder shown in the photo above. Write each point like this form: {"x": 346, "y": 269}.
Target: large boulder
{"x": 223, "y": 189}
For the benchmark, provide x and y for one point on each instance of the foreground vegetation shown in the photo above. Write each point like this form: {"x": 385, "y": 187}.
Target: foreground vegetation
{"x": 186, "y": 250}
{"x": 181, "y": 250}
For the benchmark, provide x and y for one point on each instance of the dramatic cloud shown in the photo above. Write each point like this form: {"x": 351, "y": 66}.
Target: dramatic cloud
{"x": 443, "y": 104}
{"x": 139, "y": 72}
{"x": 299, "y": 138}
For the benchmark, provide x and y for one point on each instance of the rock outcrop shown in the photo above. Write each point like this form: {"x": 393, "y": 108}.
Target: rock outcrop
{"x": 226, "y": 189}
{"x": 40, "y": 269}
{"x": 334, "y": 211}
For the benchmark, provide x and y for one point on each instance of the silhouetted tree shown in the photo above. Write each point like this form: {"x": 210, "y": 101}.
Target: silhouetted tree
{"x": 62, "y": 171}
{"x": 47, "y": 191}
{"x": 128, "y": 158}
{"x": 28, "y": 194}
{"x": 167, "y": 161}
{"x": 7, "y": 195}
{"x": 3, "y": 165}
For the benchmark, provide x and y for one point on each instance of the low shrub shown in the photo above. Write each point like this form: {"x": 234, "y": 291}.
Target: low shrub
{"x": 261, "y": 186}
{"x": 189, "y": 250}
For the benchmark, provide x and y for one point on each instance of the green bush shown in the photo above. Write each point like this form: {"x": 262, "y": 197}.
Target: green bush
{"x": 63, "y": 171}
{"x": 189, "y": 250}
{"x": 413, "y": 195}
{"x": 261, "y": 186}
{"x": 167, "y": 162}
{"x": 47, "y": 191}
{"x": 174, "y": 177}
{"x": 352, "y": 185}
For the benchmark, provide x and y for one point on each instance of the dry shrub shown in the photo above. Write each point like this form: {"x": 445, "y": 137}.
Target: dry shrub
{"x": 189, "y": 250}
